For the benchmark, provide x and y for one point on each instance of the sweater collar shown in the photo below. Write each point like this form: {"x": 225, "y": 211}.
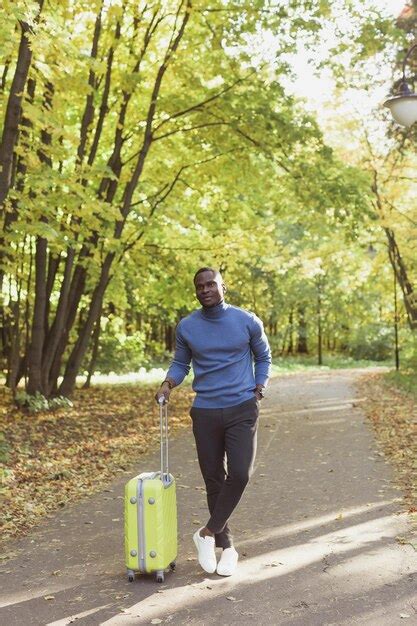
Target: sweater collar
{"x": 214, "y": 312}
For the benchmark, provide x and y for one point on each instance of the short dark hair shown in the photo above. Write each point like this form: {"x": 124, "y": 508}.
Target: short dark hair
{"x": 206, "y": 269}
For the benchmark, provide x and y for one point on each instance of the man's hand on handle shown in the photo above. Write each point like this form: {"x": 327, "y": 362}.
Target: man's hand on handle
{"x": 164, "y": 391}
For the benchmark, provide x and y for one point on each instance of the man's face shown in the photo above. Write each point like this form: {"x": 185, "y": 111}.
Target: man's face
{"x": 209, "y": 288}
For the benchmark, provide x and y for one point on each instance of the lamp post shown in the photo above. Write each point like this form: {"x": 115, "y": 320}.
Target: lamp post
{"x": 403, "y": 104}
{"x": 397, "y": 350}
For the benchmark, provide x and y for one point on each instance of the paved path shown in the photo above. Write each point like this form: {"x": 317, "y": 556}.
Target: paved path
{"x": 316, "y": 532}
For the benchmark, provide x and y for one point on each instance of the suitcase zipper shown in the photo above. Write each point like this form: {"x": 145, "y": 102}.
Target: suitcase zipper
{"x": 141, "y": 530}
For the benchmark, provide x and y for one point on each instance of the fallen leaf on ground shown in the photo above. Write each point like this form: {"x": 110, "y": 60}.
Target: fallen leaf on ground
{"x": 58, "y": 457}
{"x": 392, "y": 412}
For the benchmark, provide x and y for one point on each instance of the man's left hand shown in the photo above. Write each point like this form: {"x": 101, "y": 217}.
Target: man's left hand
{"x": 259, "y": 392}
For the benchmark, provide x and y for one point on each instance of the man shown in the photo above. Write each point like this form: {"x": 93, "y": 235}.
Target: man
{"x": 231, "y": 362}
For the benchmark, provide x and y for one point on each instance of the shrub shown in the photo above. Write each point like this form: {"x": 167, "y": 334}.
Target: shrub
{"x": 371, "y": 343}
{"x": 121, "y": 353}
{"x": 37, "y": 402}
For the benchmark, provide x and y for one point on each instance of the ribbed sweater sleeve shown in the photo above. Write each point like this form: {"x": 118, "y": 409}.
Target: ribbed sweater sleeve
{"x": 180, "y": 365}
{"x": 261, "y": 351}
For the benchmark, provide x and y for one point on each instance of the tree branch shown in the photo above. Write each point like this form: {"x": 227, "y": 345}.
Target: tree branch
{"x": 203, "y": 103}
{"x": 169, "y": 188}
{"x": 189, "y": 128}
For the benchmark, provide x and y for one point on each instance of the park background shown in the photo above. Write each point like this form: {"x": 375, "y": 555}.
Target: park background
{"x": 141, "y": 141}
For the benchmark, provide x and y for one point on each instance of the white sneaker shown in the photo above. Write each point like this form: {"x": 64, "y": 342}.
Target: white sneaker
{"x": 228, "y": 562}
{"x": 206, "y": 553}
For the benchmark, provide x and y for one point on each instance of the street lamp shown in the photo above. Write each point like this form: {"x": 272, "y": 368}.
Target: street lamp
{"x": 403, "y": 105}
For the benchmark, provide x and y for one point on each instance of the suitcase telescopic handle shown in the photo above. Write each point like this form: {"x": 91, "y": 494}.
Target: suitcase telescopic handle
{"x": 163, "y": 424}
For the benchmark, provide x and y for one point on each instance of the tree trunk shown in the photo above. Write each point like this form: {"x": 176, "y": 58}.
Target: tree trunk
{"x": 53, "y": 264}
{"x": 10, "y": 217}
{"x": 38, "y": 324}
{"x": 302, "y": 331}
{"x": 67, "y": 386}
{"x": 319, "y": 326}
{"x": 88, "y": 115}
{"x": 169, "y": 337}
{"x": 64, "y": 320}
{"x": 290, "y": 349}
{"x": 14, "y": 350}
{"x": 139, "y": 320}
{"x": 284, "y": 342}
{"x": 14, "y": 111}
{"x": 410, "y": 296}
{"x": 23, "y": 371}
{"x": 4, "y": 75}
{"x": 57, "y": 329}
{"x": 96, "y": 343}
{"x": 104, "y": 108}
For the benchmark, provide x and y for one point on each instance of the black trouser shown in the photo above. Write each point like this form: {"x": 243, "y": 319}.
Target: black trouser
{"x": 233, "y": 431}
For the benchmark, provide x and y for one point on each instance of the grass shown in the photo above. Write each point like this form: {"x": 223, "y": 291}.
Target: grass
{"x": 406, "y": 380}
{"x": 288, "y": 365}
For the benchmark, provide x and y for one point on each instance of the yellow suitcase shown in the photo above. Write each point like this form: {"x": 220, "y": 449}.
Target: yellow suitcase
{"x": 151, "y": 516}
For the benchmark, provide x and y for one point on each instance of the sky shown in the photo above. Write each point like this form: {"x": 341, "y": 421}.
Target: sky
{"x": 317, "y": 91}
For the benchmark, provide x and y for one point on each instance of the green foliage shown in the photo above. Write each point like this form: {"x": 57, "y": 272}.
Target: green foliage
{"x": 4, "y": 452}
{"x": 218, "y": 166}
{"x": 331, "y": 361}
{"x": 37, "y": 403}
{"x": 59, "y": 402}
{"x": 33, "y": 403}
{"x": 404, "y": 379}
{"x": 122, "y": 353}
{"x": 370, "y": 342}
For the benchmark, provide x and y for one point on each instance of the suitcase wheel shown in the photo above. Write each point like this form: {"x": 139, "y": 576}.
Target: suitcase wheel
{"x": 130, "y": 575}
{"x": 159, "y": 576}
{"x": 173, "y": 565}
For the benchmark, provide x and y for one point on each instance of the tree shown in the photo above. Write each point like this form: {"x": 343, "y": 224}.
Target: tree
{"x": 107, "y": 134}
{"x": 152, "y": 137}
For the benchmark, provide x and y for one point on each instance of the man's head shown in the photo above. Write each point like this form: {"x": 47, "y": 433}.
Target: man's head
{"x": 209, "y": 286}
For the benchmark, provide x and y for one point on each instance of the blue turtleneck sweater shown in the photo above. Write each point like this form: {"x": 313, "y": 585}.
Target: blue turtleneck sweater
{"x": 229, "y": 352}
